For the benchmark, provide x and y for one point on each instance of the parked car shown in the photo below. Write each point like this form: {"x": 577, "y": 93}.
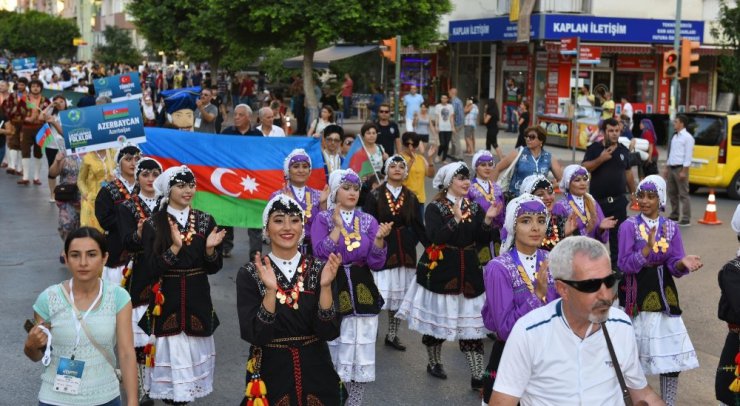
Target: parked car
{"x": 716, "y": 160}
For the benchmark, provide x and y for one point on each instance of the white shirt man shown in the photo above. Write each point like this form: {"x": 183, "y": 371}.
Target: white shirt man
{"x": 680, "y": 152}
{"x": 627, "y": 108}
{"x": 445, "y": 115}
{"x": 266, "y": 115}
{"x": 413, "y": 102}
{"x": 557, "y": 354}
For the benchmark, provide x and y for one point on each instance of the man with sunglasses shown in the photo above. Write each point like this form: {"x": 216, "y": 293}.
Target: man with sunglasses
{"x": 388, "y": 134}
{"x": 558, "y": 353}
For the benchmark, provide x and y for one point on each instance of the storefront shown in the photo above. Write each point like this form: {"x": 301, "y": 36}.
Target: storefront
{"x": 628, "y": 65}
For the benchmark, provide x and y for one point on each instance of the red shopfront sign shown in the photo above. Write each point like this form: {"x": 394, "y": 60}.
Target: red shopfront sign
{"x": 589, "y": 55}
{"x": 568, "y": 46}
{"x": 551, "y": 86}
{"x": 636, "y": 62}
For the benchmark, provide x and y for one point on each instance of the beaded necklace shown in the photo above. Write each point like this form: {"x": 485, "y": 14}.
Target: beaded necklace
{"x": 395, "y": 206}
{"x": 585, "y": 219}
{"x": 552, "y": 238}
{"x": 352, "y": 240}
{"x": 464, "y": 208}
{"x": 522, "y": 272}
{"x": 290, "y": 297}
{"x": 187, "y": 236}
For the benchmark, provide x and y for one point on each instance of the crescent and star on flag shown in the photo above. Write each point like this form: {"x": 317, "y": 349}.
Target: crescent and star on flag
{"x": 248, "y": 183}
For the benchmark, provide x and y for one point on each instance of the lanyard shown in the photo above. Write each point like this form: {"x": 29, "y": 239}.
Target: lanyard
{"x": 78, "y": 320}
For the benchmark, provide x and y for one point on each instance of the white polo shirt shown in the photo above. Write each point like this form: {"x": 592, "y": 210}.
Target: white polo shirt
{"x": 545, "y": 363}
{"x": 682, "y": 149}
{"x": 274, "y": 132}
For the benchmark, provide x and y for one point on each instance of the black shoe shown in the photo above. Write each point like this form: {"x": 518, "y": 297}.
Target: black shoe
{"x": 476, "y": 384}
{"x": 685, "y": 223}
{"x": 437, "y": 371}
{"x": 146, "y": 401}
{"x": 395, "y": 343}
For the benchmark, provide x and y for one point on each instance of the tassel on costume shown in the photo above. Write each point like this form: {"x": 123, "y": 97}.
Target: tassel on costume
{"x": 127, "y": 270}
{"x": 256, "y": 391}
{"x": 158, "y": 299}
{"x": 150, "y": 350}
{"x": 735, "y": 385}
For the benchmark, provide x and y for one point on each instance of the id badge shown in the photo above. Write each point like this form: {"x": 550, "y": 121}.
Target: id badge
{"x": 197, "y": 122}
{"x": 69, "y": 376}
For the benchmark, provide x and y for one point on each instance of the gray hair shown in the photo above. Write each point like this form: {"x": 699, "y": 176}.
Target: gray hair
{"x": 245, "y": 107}
{"x": 561, "y": 257}
{"x": 262, "y": 111}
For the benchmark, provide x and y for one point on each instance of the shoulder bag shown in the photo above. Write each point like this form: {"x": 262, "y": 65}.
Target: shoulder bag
{"x": 625, "y": 392}
{"x": 505, "y": 178}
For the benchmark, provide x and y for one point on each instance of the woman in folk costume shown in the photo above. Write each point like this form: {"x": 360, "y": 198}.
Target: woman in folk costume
{"x": 727, "y": 380}
{"x": 445, "y": 302}
{"x": 297, "y": 169}
{"x": 651, "y": 254}
{"x": 360, "y": 241}
{"x": 132, "y": 214}
{"x": 486, "y": 193}
{"x": 179, "y": 253}
{"x": 590, "y": 220}
{"x": 112, "y": 194}
{"x": 394, "y": 203}
{"x": 559, "y": 226}
{"x": 517, "y": 281}
{"x": 287, "y": 313}
{"x": 97, "y": 169}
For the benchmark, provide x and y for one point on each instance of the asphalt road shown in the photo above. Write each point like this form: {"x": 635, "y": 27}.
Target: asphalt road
{"x": 30, "y": 246}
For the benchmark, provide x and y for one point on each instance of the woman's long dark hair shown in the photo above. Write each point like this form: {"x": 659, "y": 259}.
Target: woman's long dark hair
{"x": 162, "y": 235}
{"x": 86, "y": 232}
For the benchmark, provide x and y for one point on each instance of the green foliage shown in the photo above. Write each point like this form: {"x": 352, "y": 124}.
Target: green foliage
{"x": 39, "y": 34}
{"x": 118, "y": 48}
{"x": 727, "y": 31}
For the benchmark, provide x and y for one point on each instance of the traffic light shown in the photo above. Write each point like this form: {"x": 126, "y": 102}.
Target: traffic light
{"x": 688, "y": 56}
{"x": 670, "y": 64}
{"x": 389, "y": 52}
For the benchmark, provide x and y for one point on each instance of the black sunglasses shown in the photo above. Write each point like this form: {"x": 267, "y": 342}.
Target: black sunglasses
{"x": 593, "y": 285}
{"x": 384, "y": 111}
{"x": 414, "y": 144}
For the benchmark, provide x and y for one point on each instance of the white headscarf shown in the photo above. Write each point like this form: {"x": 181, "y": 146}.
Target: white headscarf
{"x": 529, "y": 184}
{"x": 444, "y": 175}
{"x": 298, "y": 152}
{"x": 568, "y": 173}
{"x": 736, "y": 220}
{"x": 660, "y": 187}
{"x": 478, "y": 155}
{"x": 172, "y": 176}
{"x": 397, "y": 158}
{"x": 514, "y": 210}
{"x": 284, "y": 204}
{"x": 336, "y": 179}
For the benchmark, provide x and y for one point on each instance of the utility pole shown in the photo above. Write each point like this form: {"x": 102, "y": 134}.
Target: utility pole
{"x": 397, "y": 85}
{"x": 675, "y": 88}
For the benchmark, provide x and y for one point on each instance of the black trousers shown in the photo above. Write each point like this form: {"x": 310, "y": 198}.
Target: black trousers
{"x": 614, "y": 206}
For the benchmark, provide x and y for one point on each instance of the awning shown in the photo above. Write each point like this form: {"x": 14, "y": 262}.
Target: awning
{"x": 322, "y": 58}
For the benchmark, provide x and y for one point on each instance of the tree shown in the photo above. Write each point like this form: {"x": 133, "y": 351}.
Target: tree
{"x": 727, "y": 31}
{"x": 118, "y": 48}
{"x": 39, "y": 34}
{"x": 312, "y": 22}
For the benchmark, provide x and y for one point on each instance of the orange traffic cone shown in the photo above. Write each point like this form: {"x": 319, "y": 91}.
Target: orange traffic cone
{"x": 710, "y": 214}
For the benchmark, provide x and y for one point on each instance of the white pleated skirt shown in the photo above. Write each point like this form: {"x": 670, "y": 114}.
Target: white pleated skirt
{"x": 451, "y": 317}
{"x": 663, "y": 343}
{"x": 183, "y": 368}
{"x": 393, "y": 284}
{"x": 140, "y": 337}
{"x": 113, "y": 275}
{"x": 353, "y": 352}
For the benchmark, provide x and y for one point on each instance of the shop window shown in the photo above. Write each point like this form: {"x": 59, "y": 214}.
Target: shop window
{"x": 637, "y": 87}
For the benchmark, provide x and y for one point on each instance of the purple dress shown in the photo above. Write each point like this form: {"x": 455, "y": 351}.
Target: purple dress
{"x": 477, "y": 193}
{"x": 564, "y": 208}
{"x": 312, "y": 197}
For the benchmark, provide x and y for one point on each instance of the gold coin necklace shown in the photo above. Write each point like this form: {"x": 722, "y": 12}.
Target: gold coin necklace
{"x": 352, "y": 240}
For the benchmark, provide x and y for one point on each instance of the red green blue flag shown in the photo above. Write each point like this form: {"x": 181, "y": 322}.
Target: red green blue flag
{"x": 358, "y": 159}
{"x": 113, "y": 113}
{"x": 44, "y": 137}
{"x": 235, "y": 175}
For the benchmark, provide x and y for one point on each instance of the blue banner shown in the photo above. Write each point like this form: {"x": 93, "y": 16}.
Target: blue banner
{"x": 588, "y": 28}
{"x": 119, "y": 87}
{"x": 103, "y": 126}
{"x": 24, "y": 65}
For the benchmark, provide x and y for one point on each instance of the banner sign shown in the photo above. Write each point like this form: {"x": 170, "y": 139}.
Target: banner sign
{"x": 568, "y": 45}
{"x": 588, "y": 28}
{"x": 24, "y": 65}
{"x": 103, "y": 126}
{"x": 119, "y": 87}
{"x": 589, "y": 55}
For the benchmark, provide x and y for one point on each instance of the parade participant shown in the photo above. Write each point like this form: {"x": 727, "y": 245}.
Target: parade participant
{"x": 727, "y": 380}
{"x": 446, "y": 299}
{"x": 590, "y": 219}
{"x": 180, "y": 105}
{"x": 297, "y": 170}
{"x": 112, "y": 194}
{"x": 31, "y": 110}
{"x": 651, "y": 254}
{"x": 394, "y": 203}
{"x": 12, "y": 108}
{"x": 559, "y": 226}
{"x": 67, "y": 168}
{"x": 59, "y": 103}
{"x": 517, "y": 281}
{"x": 131, "y": 215}
{"x": 359, "y": 239}
{"x": 287, "y": 313}
{"x": 533, "y": 159}
{"x": 78, "y": 323}
{"x": 487, "y": 193}
{"x": 179, "y": 253}
{"x": 333, "y": 135}
{"x": 96, "y": 170}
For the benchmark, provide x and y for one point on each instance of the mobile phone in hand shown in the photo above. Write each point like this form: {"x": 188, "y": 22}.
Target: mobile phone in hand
{"x": 28, "y": 325}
